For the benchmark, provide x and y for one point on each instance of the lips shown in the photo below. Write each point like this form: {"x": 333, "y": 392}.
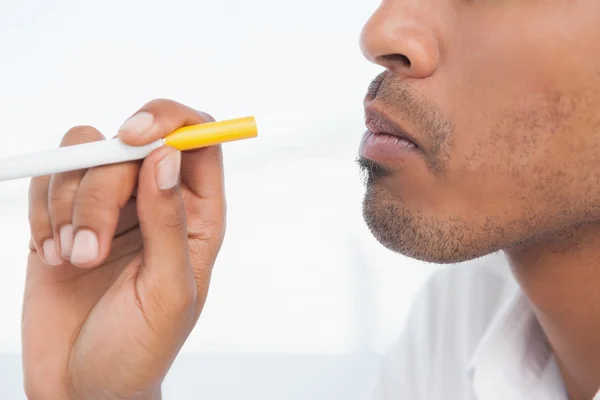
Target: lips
{"x": 379, "y": 124}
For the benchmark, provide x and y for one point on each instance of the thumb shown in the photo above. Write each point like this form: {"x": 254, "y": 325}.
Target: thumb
{"x": 162, "y": 220}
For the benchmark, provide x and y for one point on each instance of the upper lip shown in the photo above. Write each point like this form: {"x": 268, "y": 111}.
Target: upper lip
{"x": 377, "y": 122}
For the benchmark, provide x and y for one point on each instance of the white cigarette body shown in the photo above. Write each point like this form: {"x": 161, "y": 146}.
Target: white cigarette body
{"x": 93, "y": 154}
{"x": 75, "y": 157}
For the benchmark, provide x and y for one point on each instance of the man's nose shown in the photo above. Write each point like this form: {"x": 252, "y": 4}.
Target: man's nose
{"x": 401, "y": 36}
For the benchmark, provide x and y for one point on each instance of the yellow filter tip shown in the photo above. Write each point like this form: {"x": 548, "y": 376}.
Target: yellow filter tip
{"x": 212, "y": 133}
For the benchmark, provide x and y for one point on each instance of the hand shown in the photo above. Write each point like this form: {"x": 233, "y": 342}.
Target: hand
{"x": 120, "y": 263}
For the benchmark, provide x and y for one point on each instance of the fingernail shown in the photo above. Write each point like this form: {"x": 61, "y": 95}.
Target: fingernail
{"x": 139, "y": 124}
{"x": 50, "y": 254}
{"x": 66, "y": 241}
{"x": 167, "y": 171}
{"x": 85, "y": 247}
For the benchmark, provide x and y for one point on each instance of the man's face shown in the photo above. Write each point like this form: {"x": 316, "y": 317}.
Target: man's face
{"x": 502, "y": 98}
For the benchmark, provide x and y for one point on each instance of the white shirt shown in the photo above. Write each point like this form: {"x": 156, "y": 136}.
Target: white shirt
{"x": 472, "y": 336}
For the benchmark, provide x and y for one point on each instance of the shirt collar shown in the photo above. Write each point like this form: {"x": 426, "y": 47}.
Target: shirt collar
{"x": 513, "y": 359}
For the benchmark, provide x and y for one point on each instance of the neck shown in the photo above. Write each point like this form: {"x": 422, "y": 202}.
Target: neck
{"x": 561, "y": 277}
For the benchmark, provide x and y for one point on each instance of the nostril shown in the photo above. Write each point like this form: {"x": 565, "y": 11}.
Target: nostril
{"x": 397, "y": 59}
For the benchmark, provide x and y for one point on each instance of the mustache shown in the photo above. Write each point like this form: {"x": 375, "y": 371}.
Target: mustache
{"x": 399, "y": 95}
{"x": 374, "y": 86}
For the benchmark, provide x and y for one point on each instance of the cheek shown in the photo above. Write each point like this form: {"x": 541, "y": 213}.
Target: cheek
{"x": 532, "y": 65}
{"x": 525, "y": 123}
{"x": 536, "y": 158}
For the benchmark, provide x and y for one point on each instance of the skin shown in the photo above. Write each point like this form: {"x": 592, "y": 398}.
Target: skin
{"x": 503, "y": 99}
{"x": 111, "y": 327}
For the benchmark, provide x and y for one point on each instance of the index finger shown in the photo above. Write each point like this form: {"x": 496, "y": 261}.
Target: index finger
{"x": 157, "y": 119}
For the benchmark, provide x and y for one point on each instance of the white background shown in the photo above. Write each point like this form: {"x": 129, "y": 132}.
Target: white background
{"x": 303, "y": 298}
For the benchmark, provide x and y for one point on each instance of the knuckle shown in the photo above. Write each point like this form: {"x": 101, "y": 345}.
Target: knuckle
{"x": 91, "y": 202}
{"x": 207, "y": 117}
{"x": 81, "y": 130}
{"x": 172, "y": 299}
{"x": 184, "y": 298}
{"x": 163, "y": 105}
{"x": 81, "y": 134}
{"x": 38, "y": 186}
{"x": 174, "y": 219}
{"x": 61, "y": 198}
{"x": 93, "y": 196}
{"x": 160, "y": 103}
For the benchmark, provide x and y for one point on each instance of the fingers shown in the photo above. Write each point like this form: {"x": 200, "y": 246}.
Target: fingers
{"x": 128, "y": 219}
{"x": 50, "y": 203}
{"x": 39, "y": 221}
{"x": 163, "y": 221}
{"x": 202, "y": 170}
{"x": 157, "y": 119}
{"x": 202, "y": 173}
{"x": 101, "y": 195}
{"x": 201, "y": 177}
{"x": 74, "y": 215}
{"x": 62, "y": 191}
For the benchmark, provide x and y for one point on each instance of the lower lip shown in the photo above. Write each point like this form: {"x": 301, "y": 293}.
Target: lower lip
{"x": 384, "y": 147}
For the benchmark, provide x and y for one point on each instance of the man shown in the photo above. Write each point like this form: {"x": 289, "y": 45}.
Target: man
{"x": 484, "y": 135}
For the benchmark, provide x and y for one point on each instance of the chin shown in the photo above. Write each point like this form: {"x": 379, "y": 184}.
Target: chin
{"x": 420, "y": 237}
